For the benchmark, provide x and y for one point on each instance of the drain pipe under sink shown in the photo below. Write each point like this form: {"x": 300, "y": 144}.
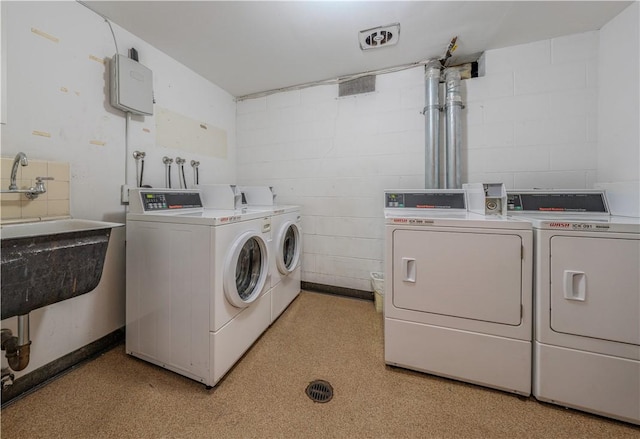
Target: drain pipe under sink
{"x": 17, "y": 348}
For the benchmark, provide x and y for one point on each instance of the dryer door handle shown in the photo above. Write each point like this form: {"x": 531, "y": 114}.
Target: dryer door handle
{"x": 575, "y": 285}
{"x": 409, "y": 270}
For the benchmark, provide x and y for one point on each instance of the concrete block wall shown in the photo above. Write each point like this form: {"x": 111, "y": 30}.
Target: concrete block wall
{"x": 532, "y": 119}
{"x": 334, "y": 157}
{"x": 529, "y": 122}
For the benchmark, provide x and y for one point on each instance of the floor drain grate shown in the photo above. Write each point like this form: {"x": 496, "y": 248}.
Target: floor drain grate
{"x": 320, "y": 391}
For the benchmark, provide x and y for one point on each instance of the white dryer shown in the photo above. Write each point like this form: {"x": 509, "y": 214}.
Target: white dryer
{"x": 587, "y": 302}
{"x": 458, "y": 299}
{"x": 286, "y": 245}
{"x": 197, "y": 295}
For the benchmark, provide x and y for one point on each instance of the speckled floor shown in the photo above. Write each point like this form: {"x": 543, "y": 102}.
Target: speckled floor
{"x": 319, "y": 337}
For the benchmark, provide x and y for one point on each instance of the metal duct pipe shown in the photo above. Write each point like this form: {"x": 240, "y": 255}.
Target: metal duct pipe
{"x": 453, "y": 138}
{"x": 432, "y": 126}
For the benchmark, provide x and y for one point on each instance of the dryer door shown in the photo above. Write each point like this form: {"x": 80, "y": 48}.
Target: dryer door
{"x": 288, "y": 241}
{"x": 594, "y": 290}
{"x": 465, "y": 275}
{"x": 246, "y": 269}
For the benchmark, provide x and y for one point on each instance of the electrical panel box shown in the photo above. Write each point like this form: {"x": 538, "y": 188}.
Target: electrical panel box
{"x": 131, "y": 86}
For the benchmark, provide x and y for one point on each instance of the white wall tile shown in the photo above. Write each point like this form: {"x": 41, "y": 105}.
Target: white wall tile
{"x": 285, "y": 99}
{"x": 618, "y": 103}
{"x": 251, "y": 105}
{"x": 577, "y": 47}
{"x": 493, "y": 86}
{"x": 314, "y": 95}
{"x": 550, "y": 78}
{"x": 551, "y": 180}
{"x": 568, "y": 157}
{"x": 522, "y": 56}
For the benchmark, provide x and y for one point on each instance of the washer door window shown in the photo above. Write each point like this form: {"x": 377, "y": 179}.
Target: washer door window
{"x": 245, "y": 270}
{"x": 288, "y": 248}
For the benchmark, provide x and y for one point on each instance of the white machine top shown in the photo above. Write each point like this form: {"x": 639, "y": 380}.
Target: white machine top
{"x": 578, "y": 210}
{"x": 182, "y": 206}
{"x": 440, "y": 207}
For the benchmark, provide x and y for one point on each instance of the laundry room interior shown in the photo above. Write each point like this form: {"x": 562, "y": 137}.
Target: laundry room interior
{"x": 320, "y": 219}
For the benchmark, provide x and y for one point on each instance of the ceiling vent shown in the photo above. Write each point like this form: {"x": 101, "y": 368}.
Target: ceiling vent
{"x": 381, "y": 36}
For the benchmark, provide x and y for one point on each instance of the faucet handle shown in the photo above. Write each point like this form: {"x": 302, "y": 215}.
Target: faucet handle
{"x": 40, "y": 184}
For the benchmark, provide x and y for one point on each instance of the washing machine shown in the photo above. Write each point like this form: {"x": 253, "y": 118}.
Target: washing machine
{"x": 587, "y": 301}
{"x": 286, "y": 225}
{"x": 458, "y": 290}
{"x": 196, "y": 284}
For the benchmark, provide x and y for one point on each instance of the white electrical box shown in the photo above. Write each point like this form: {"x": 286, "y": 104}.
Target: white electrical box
{"x": 486, "y": 198}
{"x": 131, "y": 86}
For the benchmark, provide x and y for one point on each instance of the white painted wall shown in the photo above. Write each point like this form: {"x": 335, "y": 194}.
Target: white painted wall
{"x": 59, "y": 86}
{"x": 334, "y": 157}
{"x": 619, "y": 111}
{"x": 531, "y": 121}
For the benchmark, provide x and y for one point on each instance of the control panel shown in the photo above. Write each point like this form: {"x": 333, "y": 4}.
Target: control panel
{"x": 425, "y": 199}
{"x": 159, "y": 201}
{"x": 557, "y": 201}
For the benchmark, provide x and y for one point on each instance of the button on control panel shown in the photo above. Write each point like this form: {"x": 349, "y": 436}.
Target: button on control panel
{"x": 153, "y": 202}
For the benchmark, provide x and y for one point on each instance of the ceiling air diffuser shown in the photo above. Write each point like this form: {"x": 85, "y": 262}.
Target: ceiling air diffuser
{"x": 381, "y": 36}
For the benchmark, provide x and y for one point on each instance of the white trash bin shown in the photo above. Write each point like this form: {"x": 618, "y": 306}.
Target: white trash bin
{"x": 377, "y": 283}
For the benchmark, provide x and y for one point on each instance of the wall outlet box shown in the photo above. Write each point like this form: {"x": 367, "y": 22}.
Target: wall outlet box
{"x": 131, "y": 86}
{"x": 124, "y": 194}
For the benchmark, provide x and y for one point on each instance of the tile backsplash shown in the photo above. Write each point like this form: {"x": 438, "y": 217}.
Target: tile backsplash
{"x": 53, "y": 203}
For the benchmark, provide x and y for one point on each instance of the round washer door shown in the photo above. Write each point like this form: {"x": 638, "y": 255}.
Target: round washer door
{"x": 288, "y": 247}
{"x": 246, "y": 269}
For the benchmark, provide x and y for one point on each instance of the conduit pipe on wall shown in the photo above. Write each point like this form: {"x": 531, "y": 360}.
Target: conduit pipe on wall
{"x": 453, "y": 140}
{"x": 432, "y": 125}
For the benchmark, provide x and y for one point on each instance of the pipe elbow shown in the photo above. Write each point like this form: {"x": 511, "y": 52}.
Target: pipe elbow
{"x": 17, "y": 354}
{"x": 18, "y": 357}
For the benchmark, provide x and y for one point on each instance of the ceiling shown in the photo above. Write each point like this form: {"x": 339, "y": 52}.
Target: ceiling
{"x": 247, "y": 47}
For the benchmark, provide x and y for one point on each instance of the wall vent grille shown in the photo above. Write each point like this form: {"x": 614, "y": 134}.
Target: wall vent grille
{"x": 364, "y": 84}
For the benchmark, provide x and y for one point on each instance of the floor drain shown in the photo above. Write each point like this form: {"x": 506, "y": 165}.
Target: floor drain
{"x": 319, "y": 391}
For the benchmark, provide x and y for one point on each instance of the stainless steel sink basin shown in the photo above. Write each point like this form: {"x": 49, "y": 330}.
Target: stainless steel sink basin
{"x": 46, "y": 262}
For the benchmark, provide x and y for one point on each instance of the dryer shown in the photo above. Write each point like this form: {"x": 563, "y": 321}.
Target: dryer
{"x": 587, "y": 301}
{"x": 286, "y": 263}
{"x": 458, "y": 299}
{"x": 197, "y": 295}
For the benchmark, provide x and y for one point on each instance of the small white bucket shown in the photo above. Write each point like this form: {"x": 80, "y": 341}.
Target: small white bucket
{"x": 377, "y": 283}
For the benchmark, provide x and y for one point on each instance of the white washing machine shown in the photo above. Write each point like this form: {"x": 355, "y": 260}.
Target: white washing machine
{"x": 197, "y": 295}
{"x": 587, "y": 302}
{"x": 286, "y": 245}
{"x": 458, "y": 295}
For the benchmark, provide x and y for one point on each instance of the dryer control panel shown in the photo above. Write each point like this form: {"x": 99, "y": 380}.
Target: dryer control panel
{"x": 425, "y": 199}
{"x": 557, "y": 201}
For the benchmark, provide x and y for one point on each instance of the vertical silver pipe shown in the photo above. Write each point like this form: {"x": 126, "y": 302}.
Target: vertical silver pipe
{"x": 453, "y": 138}
{"x": 23, "y": 330}
{"x": 432, "y": 126}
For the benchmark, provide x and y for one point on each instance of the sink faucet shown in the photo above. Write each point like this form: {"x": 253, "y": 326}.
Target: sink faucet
{"x": 21, "y": 158}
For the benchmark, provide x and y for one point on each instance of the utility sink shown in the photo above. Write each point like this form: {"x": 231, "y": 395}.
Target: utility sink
{"x": 46, "y": 262}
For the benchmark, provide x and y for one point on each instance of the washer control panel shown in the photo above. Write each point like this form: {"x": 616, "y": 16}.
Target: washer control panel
{"x": 158, "y": 201}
